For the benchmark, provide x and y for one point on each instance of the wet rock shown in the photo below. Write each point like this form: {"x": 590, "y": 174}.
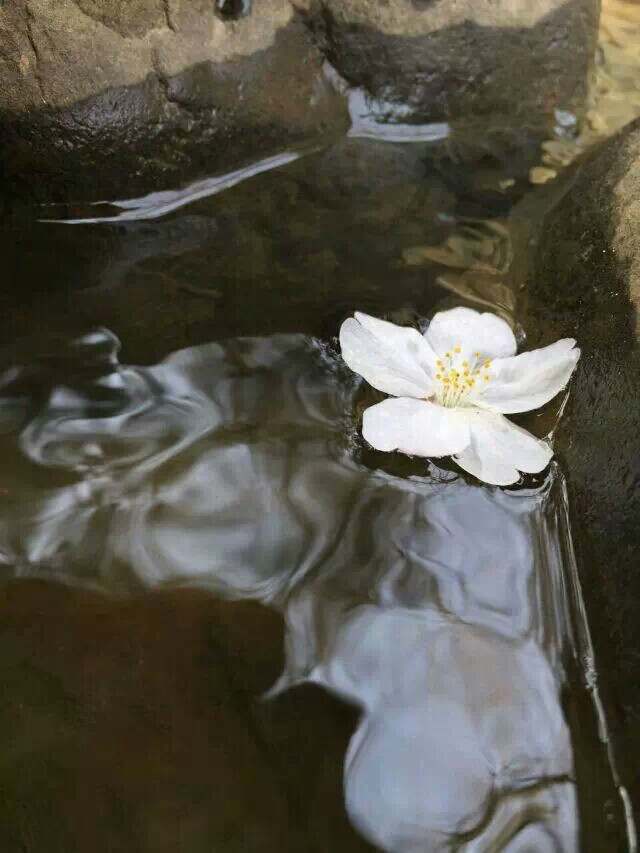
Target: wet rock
{"x": 100, "y": 98}
{"x": 360, "y": 169}
{"x": 446, "y": 59}
{"x": 138, "y": 725}
{"x": 581, "y": 275}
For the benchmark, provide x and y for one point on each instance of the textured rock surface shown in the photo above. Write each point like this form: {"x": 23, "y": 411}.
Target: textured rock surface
{"x": 448, "y": 59}
{"x": 102, "y": 97}
{"x": 131, "y": 91}
{"x": 116, "y": 737}
{"x": 585, "y": 283}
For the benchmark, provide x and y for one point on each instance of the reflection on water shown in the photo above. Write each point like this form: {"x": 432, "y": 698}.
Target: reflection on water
{"x": 437, "y": 606}
{"x": 437, "y": 683}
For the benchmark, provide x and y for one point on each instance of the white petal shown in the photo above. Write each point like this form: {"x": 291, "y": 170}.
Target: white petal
{"x": 485, "y": 333}
{"x": 528, "y": 380}
{"x": 415, "y": 427}
{"x": 499, "y": 450}
{"x": 394, "y": 359}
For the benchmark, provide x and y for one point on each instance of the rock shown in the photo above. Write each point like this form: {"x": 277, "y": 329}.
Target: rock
{"x": 443, "y": 60}
{"x": 580, "y": 273}
{"x": 100, "y": 98}
{"x": 148, "y": 713}
{"x": 373, "y": 180}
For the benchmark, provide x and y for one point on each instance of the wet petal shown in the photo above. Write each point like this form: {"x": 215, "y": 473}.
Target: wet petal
{"x": 394, "y": 359}
{"x": 499, "y": 450}
{"x": 415, "y": 427}
{"x": 473, "y": 331}
{"x": 529, "y": 380}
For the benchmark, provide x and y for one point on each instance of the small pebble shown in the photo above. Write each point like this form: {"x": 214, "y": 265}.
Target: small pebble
{"x": 540, "y": 175}
{"x": 596, "y": 121}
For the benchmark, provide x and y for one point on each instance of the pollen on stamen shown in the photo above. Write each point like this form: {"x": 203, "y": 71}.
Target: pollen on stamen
{"x": 438, "y": 376}
{"x": 486, "y": 378}
{"x": 477, "y": 354}
{"x": 487, "y": 363}
{"x": 457, "y": 350}
{"x": 447, "y": 355}
{"x": 465, "y": 364}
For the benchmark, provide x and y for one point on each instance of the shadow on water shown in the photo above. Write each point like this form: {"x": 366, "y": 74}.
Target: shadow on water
{"x": 433, "y": 693}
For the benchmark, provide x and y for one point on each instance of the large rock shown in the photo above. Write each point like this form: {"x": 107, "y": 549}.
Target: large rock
{"x": 581, "y": 274}
{"x": 99, "y": 97}
{"x": 138, "y": 726}
{"x": 102, "y": 98}
{"x": 451, "y": 59}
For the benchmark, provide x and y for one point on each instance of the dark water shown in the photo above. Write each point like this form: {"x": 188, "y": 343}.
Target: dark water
{"x": 189, "y": 519}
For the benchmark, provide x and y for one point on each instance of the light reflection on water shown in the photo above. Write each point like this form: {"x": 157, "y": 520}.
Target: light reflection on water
{"x": 437, "y": 606}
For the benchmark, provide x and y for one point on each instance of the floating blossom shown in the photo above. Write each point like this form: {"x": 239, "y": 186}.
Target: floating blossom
{"x": 452, "y": 387}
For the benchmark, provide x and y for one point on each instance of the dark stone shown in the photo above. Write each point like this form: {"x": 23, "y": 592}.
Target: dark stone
{"x": 580, "y": 276}
{"x": 169, "y": 129}
{"x": 100, "y": 98}
{"x": 444, "y": 69}
{"x": 139, "y": 725}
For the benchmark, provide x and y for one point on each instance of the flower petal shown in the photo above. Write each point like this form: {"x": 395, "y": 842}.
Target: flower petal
{"x": 415, "y": 427}
{"x": 394, "y": 359}
{"x": 473, "y": 331}
{"x": 528, "y": 380}
{"x": 499, "y": 450}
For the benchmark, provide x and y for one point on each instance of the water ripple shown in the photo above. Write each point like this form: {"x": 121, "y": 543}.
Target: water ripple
{"x": 438, "y": 607}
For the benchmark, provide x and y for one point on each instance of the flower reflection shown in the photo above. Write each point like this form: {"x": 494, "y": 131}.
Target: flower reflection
{"x": 452, "y": 387}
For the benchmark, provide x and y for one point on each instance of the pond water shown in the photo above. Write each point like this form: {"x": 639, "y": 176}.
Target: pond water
{"x": 228, "y": 624}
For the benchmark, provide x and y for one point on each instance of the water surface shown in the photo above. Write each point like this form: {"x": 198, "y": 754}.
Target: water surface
{"x": 228, "y": 623}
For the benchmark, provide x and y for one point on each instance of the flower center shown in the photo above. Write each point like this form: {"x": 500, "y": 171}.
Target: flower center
{"x": 457, "y": 375}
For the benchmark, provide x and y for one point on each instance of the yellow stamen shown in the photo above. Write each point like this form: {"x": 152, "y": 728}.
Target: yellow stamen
{"x": 486, "y": 378}
{"x": 465, "y": 364}
{"x": 457, "y": 349}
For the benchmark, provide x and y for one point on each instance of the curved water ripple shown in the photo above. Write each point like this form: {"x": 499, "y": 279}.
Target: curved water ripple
{"x": 436, "y": 605}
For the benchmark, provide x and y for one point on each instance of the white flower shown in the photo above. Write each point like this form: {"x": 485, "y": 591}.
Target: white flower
{"x": 452, "y": 387}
